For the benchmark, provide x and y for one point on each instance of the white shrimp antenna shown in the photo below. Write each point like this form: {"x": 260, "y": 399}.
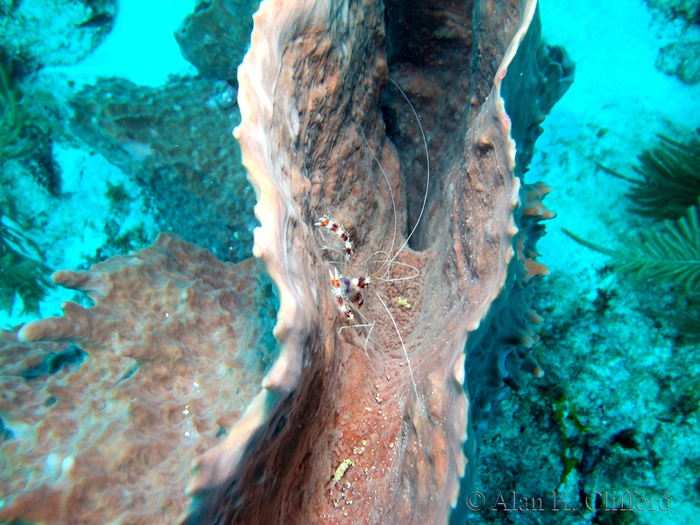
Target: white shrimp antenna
{"x": 427, "y": 183}
{"x": 393, "y": 204}
{"x": 389, "y": 260}
{"x": 367, "y": 325}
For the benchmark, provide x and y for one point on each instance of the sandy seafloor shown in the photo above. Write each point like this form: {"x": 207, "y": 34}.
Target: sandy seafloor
{"x": 620, "y": 371}
{"x": 142, "y": 49}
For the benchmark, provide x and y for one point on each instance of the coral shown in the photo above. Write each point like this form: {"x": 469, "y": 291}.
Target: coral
{"x": 175, "y": 346}
{"x": 671, "y": 179}
{"x": 312, "y": 135}
{"x": 670, "y": 189}
{"x": 216, "y": 36}
{"x": 553, "y": 76}
{"x": 624, "y": 380}
{"x": 671, "y": 253}
{"x": 668, "y": 252}
{"x": 557, "y": 74}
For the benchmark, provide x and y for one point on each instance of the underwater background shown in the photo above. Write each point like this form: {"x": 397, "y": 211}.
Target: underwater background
{"x": 99, "y": 156}
{"x": 618, "y": 410}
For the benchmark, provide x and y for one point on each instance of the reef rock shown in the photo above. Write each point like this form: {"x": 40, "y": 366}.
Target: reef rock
{"x": 54, "y": 32}
{"x": 680, "y": 59}
{"x": 175, "y": 141}
{"x": 215, "y": 37}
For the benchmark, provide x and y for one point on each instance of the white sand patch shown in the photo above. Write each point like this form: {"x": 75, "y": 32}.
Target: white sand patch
{"x": 616, "y": 106}
{"x": 71, "y": 229}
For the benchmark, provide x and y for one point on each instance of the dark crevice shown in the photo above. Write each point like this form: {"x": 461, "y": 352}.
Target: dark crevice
{"x": 54, "y": 362}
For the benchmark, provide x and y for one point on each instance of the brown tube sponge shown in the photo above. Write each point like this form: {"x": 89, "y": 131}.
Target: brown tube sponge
{"x": 309, "y": 91}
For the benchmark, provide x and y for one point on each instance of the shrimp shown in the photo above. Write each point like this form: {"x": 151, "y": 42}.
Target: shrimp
{"x": 349, "y": 290}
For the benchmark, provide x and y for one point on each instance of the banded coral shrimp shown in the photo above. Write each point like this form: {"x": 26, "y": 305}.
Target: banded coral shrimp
{"x": 349, "y": 291}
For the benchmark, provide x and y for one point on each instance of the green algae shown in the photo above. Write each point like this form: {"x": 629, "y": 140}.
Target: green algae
{"x": 20, "y": 274}
{"x": 13, "y": 116}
